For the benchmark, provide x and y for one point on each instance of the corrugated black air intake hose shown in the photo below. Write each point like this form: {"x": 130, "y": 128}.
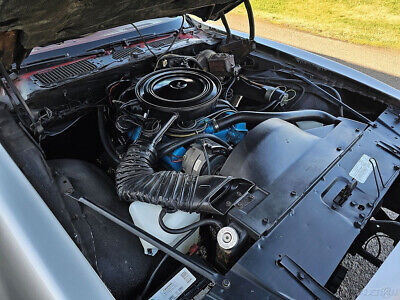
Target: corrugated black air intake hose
{"x": 136, "y": 180}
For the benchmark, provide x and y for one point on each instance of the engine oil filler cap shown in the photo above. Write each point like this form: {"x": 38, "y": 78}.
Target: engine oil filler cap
{"x": 189, "y": 92}
{"x": 227, "y": 238}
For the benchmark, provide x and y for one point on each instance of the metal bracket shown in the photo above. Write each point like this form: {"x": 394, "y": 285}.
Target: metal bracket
{"x": 375, "y": 169}
{"x": 345, "y": 193}
{"x": 392, "y": 149}
{"x": 305, "y": 279}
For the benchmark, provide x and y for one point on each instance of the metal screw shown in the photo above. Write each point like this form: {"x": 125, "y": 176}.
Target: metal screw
{"x": 357, "y": 129}
{"x": 333, "y": 207}
{"x": 228, "y": 203}
{"x": 396, "y": 167}
{"x": 370, "y": 204}
{"x": 300, "y": 275}
{"x": 374, "y": 125}
{"x": 293, "y": 193}
{"x": 362, "y": 216}
{"x": 339, "y": 148}
{"x": 352, "y": 203}
{"x": 265, "y": 221}
{"x": 357, "y": 224}
{"x": 226, "y": 283}
{"x": 239, "y": 194}
{"x": 227, "y": 237}
{"x": 251, "y": 196}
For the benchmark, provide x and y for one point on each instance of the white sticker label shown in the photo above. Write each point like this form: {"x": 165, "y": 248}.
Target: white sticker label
{"x": 176, "y": 286}
{"x": 362, "y": 169}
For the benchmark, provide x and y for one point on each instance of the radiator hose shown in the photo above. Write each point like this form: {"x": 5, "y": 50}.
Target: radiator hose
{"x": 289, "y": 116}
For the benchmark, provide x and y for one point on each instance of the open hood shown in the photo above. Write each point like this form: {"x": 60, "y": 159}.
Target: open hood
{"x": 24, "y": 25}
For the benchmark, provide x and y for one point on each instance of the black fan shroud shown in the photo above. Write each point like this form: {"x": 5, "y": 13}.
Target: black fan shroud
{"x": 189, "y": 92}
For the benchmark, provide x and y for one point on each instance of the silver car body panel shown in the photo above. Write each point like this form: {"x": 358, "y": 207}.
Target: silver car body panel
{"x": 38, "y": 260}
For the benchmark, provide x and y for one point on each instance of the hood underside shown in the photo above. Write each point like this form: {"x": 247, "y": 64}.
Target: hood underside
{"x": 24, "y": 25}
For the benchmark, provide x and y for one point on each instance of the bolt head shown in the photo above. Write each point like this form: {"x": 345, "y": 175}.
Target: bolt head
{"x": 339, "y": 148}
{"x": 227, "y": 237}
{"x": 226, "y": 283}
{"x": 352, "y": 203}
{"x": 300, "y": 275}
{"x": 357, "y": 224}
{"x": 293, "y": 193}
{"x": 265, "y": 221}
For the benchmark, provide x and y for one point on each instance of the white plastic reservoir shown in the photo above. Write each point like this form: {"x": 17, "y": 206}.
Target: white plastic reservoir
{"x": 145, "y": 216}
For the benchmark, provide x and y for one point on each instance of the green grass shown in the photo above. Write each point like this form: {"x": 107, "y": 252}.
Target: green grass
{"x": 368, "y": 22}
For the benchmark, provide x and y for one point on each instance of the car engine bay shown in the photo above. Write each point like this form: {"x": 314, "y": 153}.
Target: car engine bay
{"x": 249, "y": 167}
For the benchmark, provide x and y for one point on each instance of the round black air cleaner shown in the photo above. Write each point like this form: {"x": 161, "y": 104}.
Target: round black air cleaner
{"x": 189, "y": 92}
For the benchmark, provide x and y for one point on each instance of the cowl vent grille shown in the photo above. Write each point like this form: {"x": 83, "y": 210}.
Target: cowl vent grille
{"x": 64, "y": 72}
{"x": 119, "y": 54}
{"x": 163, "y": 42}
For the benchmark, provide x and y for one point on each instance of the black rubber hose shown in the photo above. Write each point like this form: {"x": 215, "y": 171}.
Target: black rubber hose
{"x": 337, "y": 96}
{"x": 167, "y": 148}
{"x": 136, "y": 180}
{"x": 105, "y": 140}
{"x": 250, "y": 16}
{"x": 290, "y": 116}
{"x": 190, "y": 227}
{"x": 195, "y": 61}
{"x": 226, "y": 25}
{"x": 331, "y": 98}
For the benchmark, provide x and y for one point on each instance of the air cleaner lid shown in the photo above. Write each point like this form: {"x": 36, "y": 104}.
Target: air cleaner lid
{"x": 179, "y": 90}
